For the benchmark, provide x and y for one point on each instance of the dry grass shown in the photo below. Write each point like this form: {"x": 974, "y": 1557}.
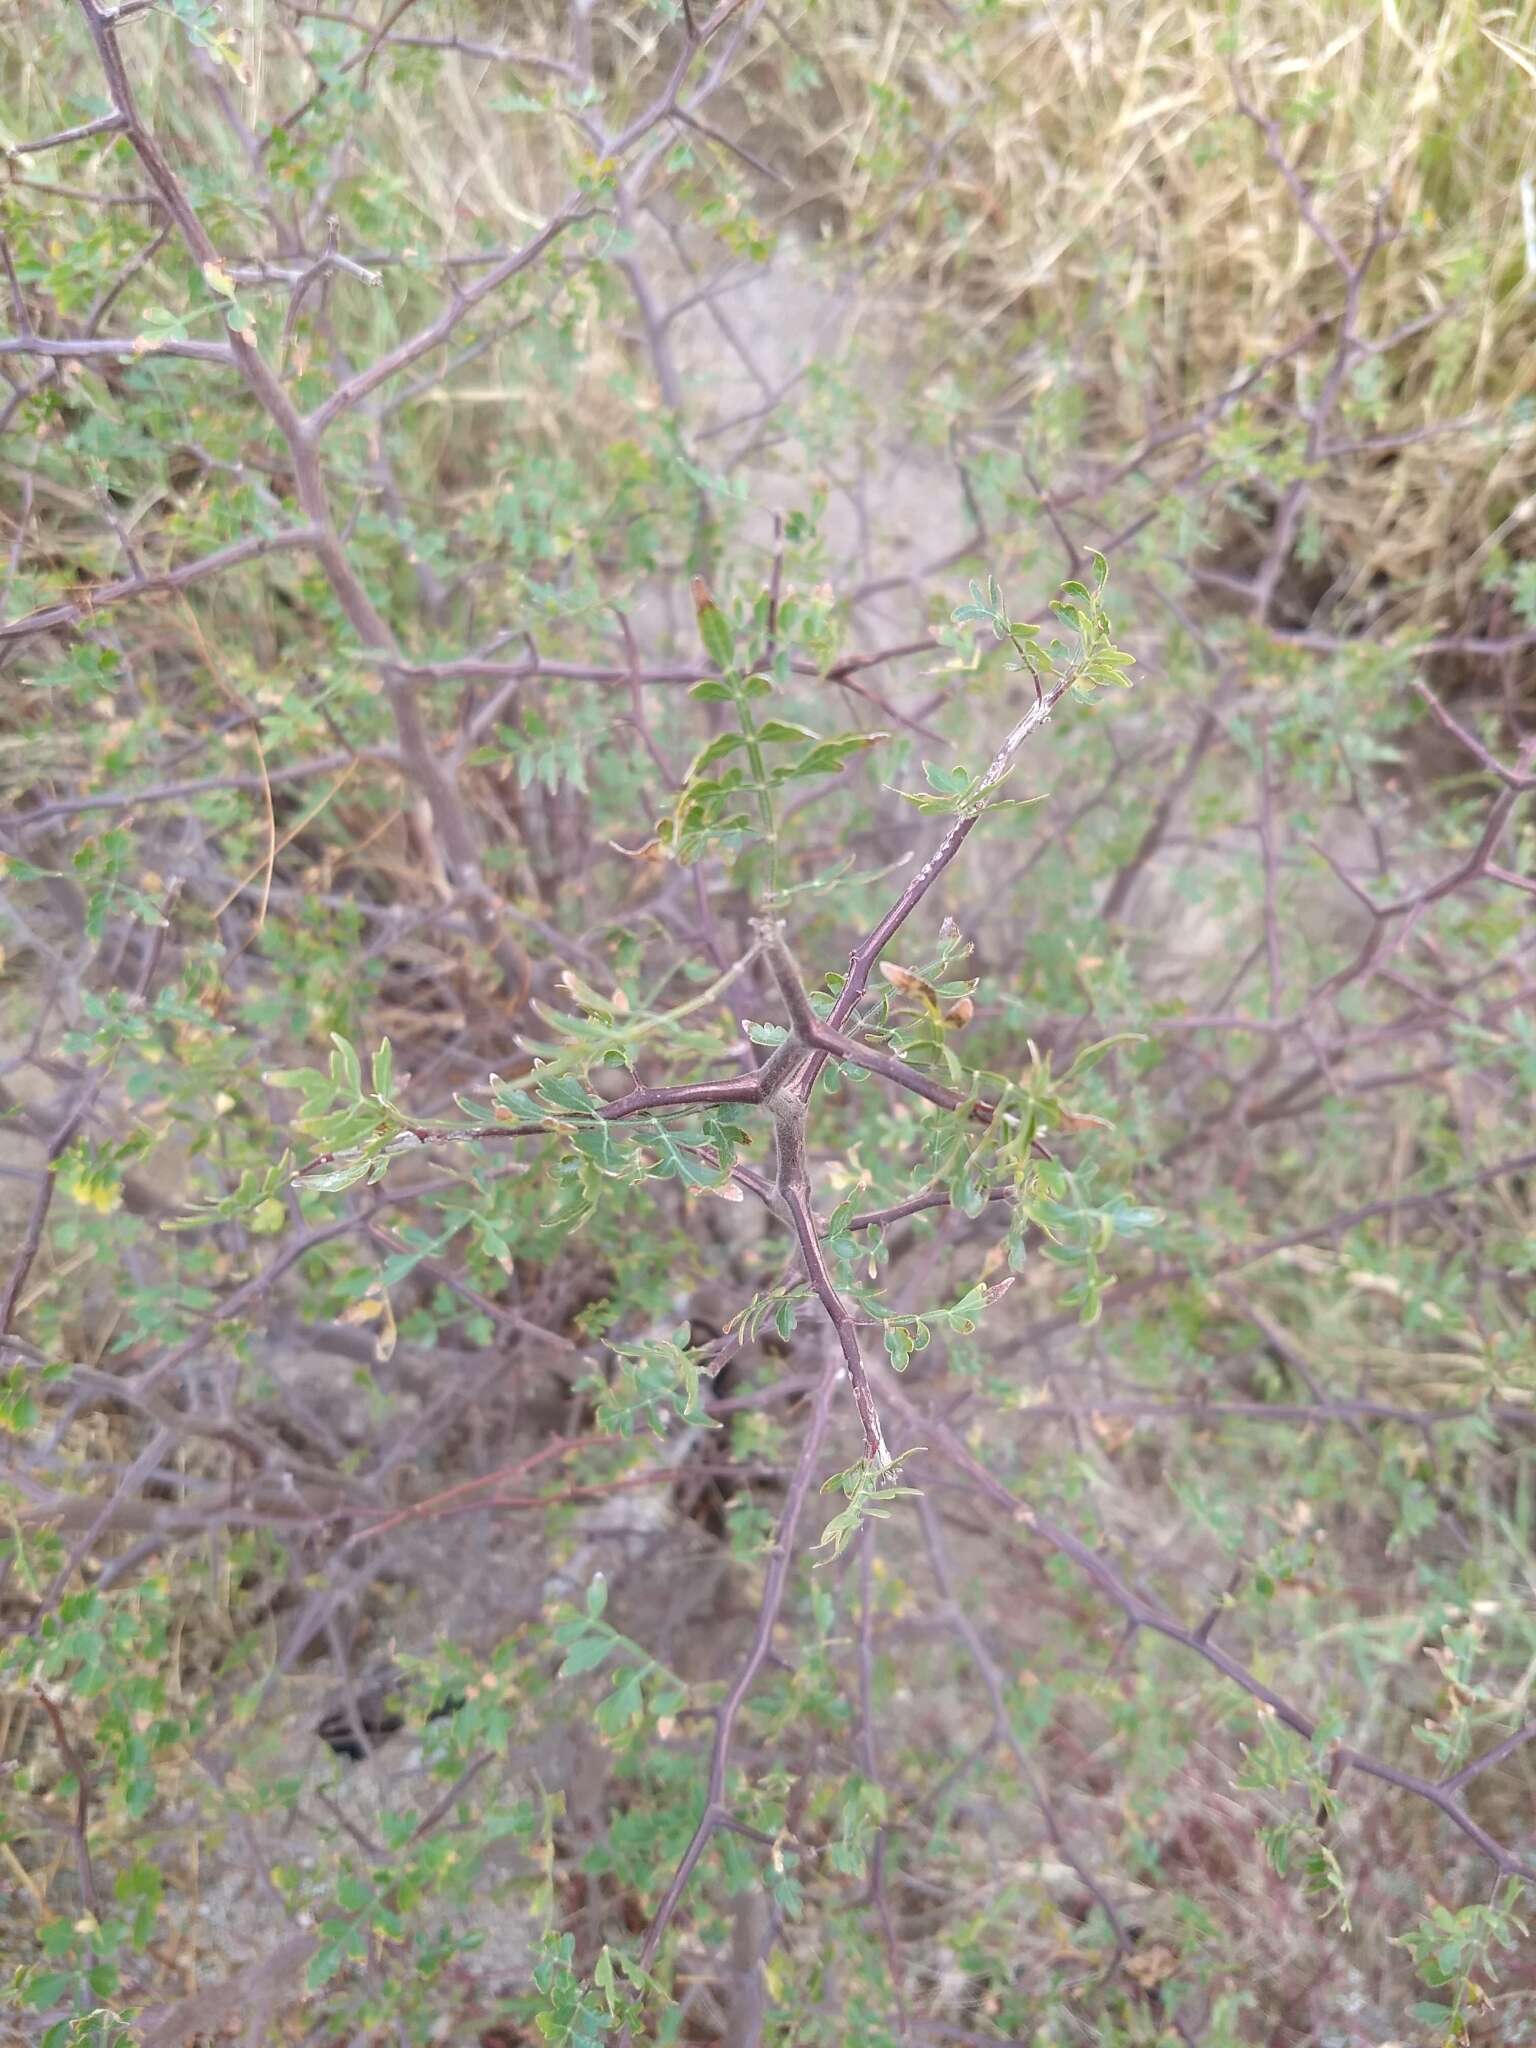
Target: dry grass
{"x": 1084, "y": 182}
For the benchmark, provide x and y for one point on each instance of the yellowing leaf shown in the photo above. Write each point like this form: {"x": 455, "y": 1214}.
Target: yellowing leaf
{"x": 386, "y": 1336}
{"x": 1080, "y": 1120}
{"x": 1152, "y": 1966}
{"x": 906, "y": 983}
{"x": 93, "y": 1191}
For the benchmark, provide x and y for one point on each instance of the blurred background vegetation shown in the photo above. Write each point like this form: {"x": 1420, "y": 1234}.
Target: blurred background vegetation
{"x": 385, "y": 1558}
